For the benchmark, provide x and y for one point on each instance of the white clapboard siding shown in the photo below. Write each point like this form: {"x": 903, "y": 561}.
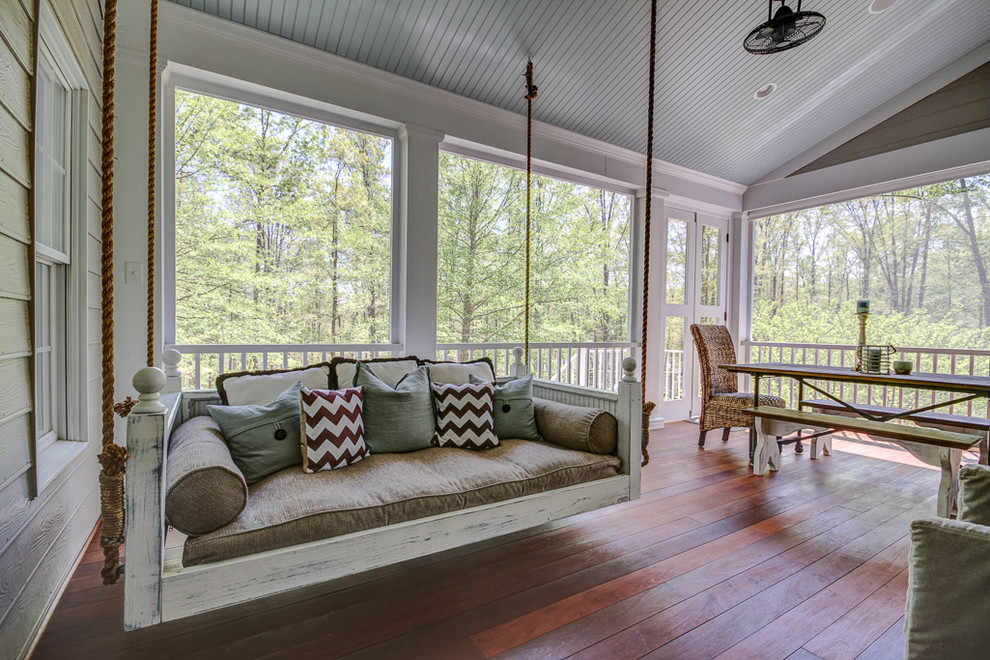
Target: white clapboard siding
{"x": 14, "y": 327}
{"x": 18, "y": 32}
{"x": 13, "y": 208}
{"x": 15, "y": 391}
{"x": 15, "y": 266}
{"x": 15, "y": 454}
{"x": 40, "y": 538}
{"x": 15, "y": 148}
{"x": 17, "y": 81}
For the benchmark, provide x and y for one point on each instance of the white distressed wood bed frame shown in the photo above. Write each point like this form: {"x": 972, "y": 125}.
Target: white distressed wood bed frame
{"x": 157, "y": 587}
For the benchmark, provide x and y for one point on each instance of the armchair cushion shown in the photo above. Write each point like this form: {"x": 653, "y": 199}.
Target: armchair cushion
{"x": 949, "y": 578}
{"x": 974, "y": 494}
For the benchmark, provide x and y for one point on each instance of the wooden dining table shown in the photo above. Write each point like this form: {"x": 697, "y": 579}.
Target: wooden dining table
{"x": 969, "y": 387}
{"x": 935, "y": 447}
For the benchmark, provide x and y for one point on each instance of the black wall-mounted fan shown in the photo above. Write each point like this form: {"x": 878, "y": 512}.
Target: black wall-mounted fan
{"x": 785, "y": 29}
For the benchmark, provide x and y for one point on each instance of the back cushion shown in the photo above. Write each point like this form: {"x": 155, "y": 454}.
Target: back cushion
{"x": 460, "y": 373}
{"x": 258, "y": 388}
{"x": 389, "y": 370}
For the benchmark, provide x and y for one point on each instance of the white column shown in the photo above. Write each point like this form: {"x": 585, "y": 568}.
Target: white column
{"x": 414, "y": 249}
{"x": 637, "y": 235}
{"x": 740, "y": 302}
{"x": 658, "y": 265}
{"x": 131, "y": 200}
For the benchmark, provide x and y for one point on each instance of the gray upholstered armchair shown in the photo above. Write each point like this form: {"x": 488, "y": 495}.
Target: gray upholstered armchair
{"x": 949, "y": 585}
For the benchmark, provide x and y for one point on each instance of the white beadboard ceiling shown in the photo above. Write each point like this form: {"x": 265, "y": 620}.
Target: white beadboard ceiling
{"x": 591, "y": 63}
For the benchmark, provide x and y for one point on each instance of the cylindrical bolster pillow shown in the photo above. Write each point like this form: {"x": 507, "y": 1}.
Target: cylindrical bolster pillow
{"x": 205, "y": 490}
{"x": 576, "y": 427}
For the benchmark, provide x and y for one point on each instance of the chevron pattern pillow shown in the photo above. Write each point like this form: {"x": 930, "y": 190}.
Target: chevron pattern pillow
{"x": 333, "y": 428}
{"x": 464, "y": 415}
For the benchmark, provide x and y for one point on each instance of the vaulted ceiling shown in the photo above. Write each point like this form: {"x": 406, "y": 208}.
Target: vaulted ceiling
{"x": 591, "y": 63}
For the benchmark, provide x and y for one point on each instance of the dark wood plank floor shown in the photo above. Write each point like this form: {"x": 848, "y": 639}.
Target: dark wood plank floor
{"x": 810, "y": 562}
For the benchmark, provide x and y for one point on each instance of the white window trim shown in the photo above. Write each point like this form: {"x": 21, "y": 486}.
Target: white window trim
{"x": 186, "y": 78}
{"x": 58, "y": 454}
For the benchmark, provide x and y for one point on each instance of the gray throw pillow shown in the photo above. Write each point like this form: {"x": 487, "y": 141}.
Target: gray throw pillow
{"x": 262, "y": 439}
{"x": 515, "y": 417}
{"x": 397, "y": 419}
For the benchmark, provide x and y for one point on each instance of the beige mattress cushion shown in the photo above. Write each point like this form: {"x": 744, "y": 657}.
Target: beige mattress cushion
{"x": 291, "y": 507}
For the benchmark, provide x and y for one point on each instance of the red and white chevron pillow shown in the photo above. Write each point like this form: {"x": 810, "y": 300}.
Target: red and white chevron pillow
{"x": 464, "y": 415}
{"x": 333, "y": 428}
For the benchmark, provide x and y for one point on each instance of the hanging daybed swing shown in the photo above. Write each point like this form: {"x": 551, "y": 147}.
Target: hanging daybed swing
{"x": 158, "y": 587}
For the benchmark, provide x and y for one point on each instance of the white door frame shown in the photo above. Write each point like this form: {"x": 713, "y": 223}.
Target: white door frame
{"x": 683, "y": 377}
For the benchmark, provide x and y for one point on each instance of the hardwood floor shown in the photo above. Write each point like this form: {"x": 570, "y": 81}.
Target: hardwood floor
{"x": 810, "y": 562}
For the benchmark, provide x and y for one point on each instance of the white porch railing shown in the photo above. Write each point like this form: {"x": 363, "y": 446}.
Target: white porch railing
{"x": 673, "y": 375}
{"x": 597, "y": 365}
{"x": 202, "y": 363}
{"x": 974, "y": 362}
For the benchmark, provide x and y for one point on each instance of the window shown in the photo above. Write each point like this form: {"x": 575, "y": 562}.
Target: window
{"x": 59, "y": 299}
{"x": 283, "y": 227}
{"x": 51, "y": 248}
{"x": 921, "y": 256}
{"x": 579, "y": 257}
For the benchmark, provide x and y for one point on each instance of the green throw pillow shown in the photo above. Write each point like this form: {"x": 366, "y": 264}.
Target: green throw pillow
{"x": 262, "y": 439}
{"x": 515, "y": 416}
{"x": 396, "y": 419}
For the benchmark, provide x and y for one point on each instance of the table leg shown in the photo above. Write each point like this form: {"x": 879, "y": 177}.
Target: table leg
{"x": 752, "y": 431}
{"x": 767, "y": 453}
{"x": 948, "y": 487}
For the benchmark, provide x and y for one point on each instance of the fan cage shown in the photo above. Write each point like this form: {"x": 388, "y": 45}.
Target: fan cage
{"x": 800, "y": 27}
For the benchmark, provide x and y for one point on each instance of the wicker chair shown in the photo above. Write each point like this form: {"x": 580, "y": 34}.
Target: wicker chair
{"x": 721, "y": 401}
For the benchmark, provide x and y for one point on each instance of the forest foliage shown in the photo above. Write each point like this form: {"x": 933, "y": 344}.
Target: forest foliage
{"x": 921, "y": 256}
{"x": 284, "y": 236}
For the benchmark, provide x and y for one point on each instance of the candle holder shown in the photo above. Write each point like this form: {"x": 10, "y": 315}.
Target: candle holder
{"x": 874, "y": 359}
{"x": 862, "y": 340}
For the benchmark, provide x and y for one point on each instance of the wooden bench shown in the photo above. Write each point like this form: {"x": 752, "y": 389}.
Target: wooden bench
{"x": 933, "y": 446}
{"x": 944, "y": 421}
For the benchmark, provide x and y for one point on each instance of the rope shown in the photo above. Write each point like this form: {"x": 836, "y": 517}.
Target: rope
{"x": 113, "y": 456}
{"x": 152, "y": 152}
{"x": 531, "y": 92}
{"x": 648, "y": 405}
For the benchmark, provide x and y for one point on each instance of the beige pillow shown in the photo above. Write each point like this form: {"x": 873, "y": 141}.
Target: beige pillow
{"x": 459, "y": 373}
{"x": 259, "y": 388}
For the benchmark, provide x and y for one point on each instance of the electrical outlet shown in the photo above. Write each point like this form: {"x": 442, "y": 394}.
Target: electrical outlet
{"x": 133, "y": 272}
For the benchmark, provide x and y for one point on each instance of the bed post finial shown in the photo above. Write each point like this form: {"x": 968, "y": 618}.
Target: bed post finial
{"x": 629, "y": 370}
{"x": 149, "y": 382}
{"x": 518, "y": 368}
{"x": 170, "y": 361}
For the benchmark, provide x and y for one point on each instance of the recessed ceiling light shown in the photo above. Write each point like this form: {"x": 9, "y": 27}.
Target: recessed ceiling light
{"x": 878, "y": 6}
{"x": 765, "y": 91}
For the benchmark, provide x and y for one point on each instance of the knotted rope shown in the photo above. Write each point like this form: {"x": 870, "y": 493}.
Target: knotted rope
{"x": 113, "y": 456}
{"x": 648, "y": 406}
{"x": 531, "y": 92}
{"x": 152, "y": 153}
